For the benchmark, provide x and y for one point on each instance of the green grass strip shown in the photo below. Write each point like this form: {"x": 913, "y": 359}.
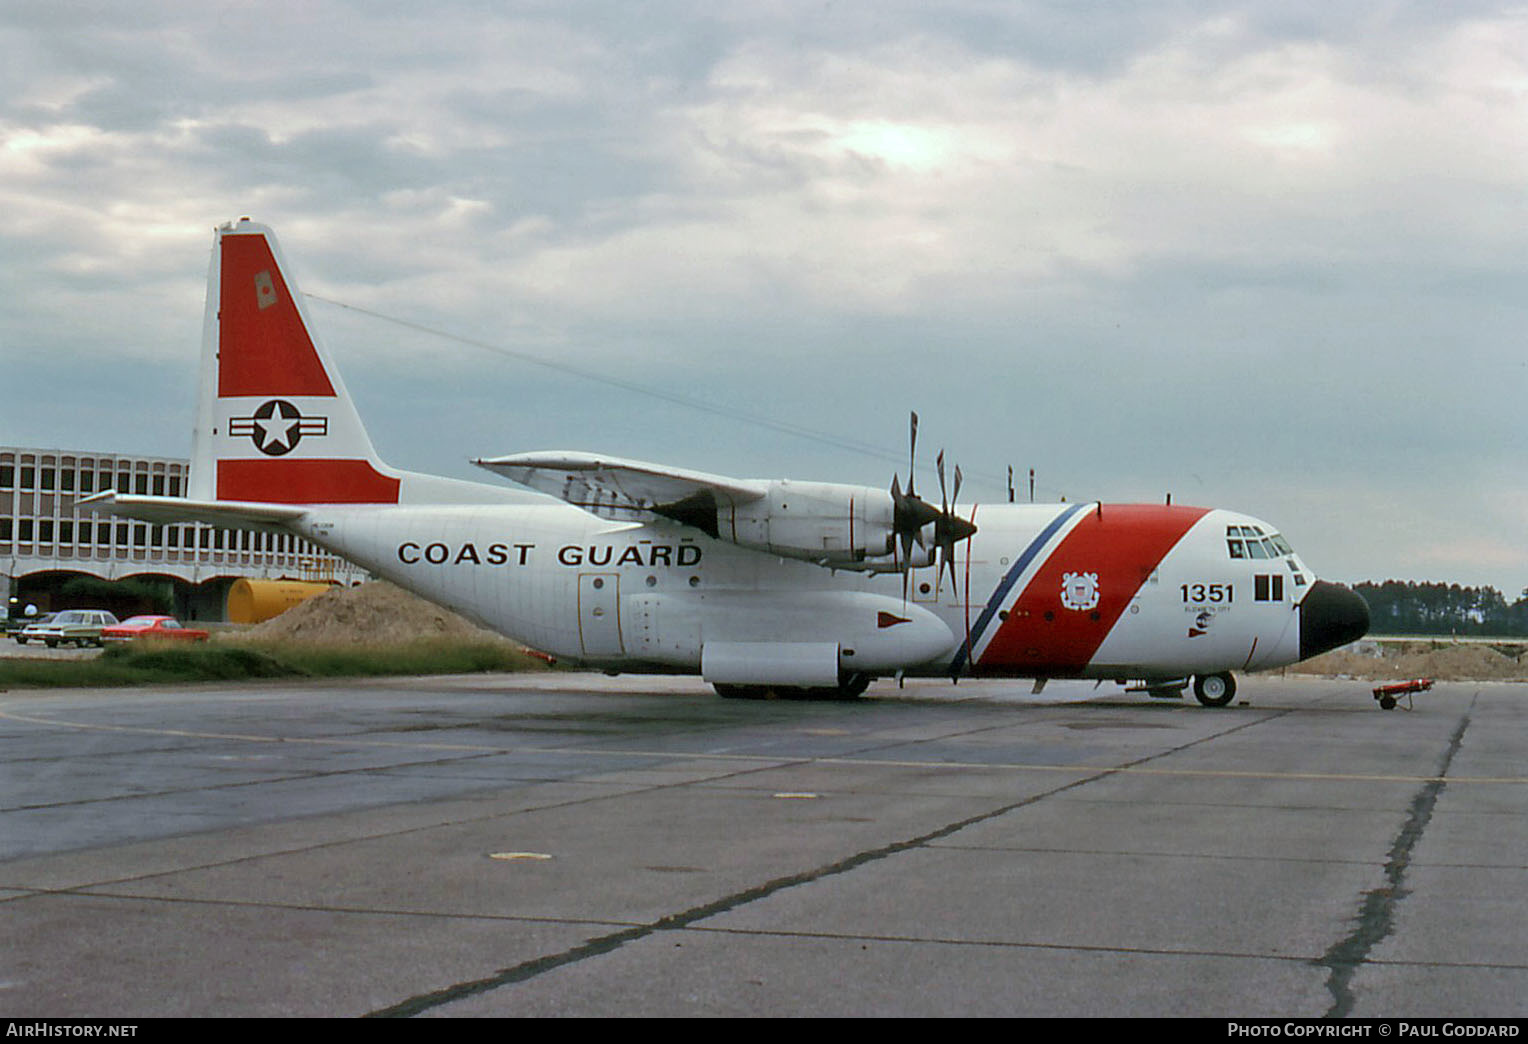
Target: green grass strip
{"x": 158, "y": 663}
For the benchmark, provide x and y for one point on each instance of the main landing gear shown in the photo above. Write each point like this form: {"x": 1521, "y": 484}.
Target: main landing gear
{"x": 850, "y": 687}
{"x": 1214, "y": 690}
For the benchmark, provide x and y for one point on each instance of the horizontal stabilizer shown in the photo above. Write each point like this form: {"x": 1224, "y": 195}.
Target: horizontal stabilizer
{"x": 229, "y": 514}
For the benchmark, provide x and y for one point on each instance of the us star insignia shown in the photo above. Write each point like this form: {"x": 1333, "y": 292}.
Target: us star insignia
{"x": 277, "y": 427}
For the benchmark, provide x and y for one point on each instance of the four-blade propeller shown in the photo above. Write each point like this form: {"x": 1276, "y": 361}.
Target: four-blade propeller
{"x": 949, "y": 528}
{"x": 911, "y": 514}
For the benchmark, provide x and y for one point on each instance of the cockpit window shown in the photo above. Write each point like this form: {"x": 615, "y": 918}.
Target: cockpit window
{"x": 1249, "y": 542}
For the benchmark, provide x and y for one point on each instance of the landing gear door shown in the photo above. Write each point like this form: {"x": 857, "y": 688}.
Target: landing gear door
{"x": 599, "y": 614}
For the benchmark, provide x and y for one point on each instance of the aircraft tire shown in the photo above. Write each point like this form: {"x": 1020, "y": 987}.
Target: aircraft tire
{"x": 853, "y": 686}
{"x": 741, "y": 692}
{"x": 1215, "y": 690}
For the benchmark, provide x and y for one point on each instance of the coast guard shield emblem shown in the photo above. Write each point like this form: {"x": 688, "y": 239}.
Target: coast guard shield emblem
{"x": 1079, "y": 590}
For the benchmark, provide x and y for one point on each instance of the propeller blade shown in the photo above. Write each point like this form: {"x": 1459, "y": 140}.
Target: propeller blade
{"x": 912, "y": 451}
{"x": 949, "y": 527}
{"x": 911, "y": 514}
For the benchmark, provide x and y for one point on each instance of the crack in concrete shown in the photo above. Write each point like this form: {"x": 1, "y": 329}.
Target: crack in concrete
{"x": 684, "y": 919}
{"x": 1376, "y": 914}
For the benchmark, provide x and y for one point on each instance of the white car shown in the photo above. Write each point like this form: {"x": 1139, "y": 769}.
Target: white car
{"x": 80, "y": 626}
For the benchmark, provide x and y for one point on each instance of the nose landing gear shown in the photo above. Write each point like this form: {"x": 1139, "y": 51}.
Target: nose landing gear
{"x": 1215, "y": 690}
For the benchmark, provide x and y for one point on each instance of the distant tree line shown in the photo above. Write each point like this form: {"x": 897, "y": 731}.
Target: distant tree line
{"x": 1407, "y": 607}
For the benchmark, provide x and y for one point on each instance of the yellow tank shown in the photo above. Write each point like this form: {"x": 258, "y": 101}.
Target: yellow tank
{"x": 255, "y": 601}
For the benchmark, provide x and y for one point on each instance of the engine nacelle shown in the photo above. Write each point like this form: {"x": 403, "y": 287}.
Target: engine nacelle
{"x": 918, "y": 558}
{"x": 827, "y": 523}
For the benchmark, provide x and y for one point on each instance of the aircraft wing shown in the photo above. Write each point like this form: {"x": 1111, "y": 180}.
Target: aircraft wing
{"x": 170, "y": 510}
{"x": 610, "y": 485}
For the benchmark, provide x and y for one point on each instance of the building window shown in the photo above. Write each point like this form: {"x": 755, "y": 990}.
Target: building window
{"x": 7, "y": 476}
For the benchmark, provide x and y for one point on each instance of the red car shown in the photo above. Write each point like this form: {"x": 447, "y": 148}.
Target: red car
{"x": 155, "y": 627}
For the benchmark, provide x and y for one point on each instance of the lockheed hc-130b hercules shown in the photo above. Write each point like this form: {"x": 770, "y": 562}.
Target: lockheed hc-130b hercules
{"x": 756, "y": 585}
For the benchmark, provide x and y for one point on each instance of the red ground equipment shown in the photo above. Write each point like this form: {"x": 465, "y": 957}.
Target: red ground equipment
{"x": 1389, "y": 693}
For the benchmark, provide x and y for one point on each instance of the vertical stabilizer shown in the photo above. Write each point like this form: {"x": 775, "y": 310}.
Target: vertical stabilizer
{"x": 274, "y": 423}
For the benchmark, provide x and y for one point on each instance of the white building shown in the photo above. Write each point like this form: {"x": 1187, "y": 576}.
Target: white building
{"x": 45, "y": 539}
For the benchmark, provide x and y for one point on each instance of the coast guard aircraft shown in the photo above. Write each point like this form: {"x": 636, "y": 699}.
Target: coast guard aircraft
{"x": 757, "y": 585}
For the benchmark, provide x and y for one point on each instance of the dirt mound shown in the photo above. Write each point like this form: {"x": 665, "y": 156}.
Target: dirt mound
{"x": 376, "y": 613}
{"x": 1447, "y": 661}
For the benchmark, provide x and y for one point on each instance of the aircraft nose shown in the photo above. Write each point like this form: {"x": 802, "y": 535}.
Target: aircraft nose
{"x": 1331, "y": 615}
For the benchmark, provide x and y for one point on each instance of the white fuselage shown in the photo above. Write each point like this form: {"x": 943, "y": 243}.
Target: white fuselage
{"x": 1041, "y": 590}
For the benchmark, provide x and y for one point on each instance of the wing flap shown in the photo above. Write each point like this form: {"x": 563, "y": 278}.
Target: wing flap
{"x": 610, "y": 486}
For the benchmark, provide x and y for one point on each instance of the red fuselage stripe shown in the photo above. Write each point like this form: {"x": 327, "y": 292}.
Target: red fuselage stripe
{"x": 1111, "y": 552}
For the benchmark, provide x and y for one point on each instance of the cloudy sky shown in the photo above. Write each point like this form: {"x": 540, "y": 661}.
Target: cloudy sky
{"x": 1269, "y": 255}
